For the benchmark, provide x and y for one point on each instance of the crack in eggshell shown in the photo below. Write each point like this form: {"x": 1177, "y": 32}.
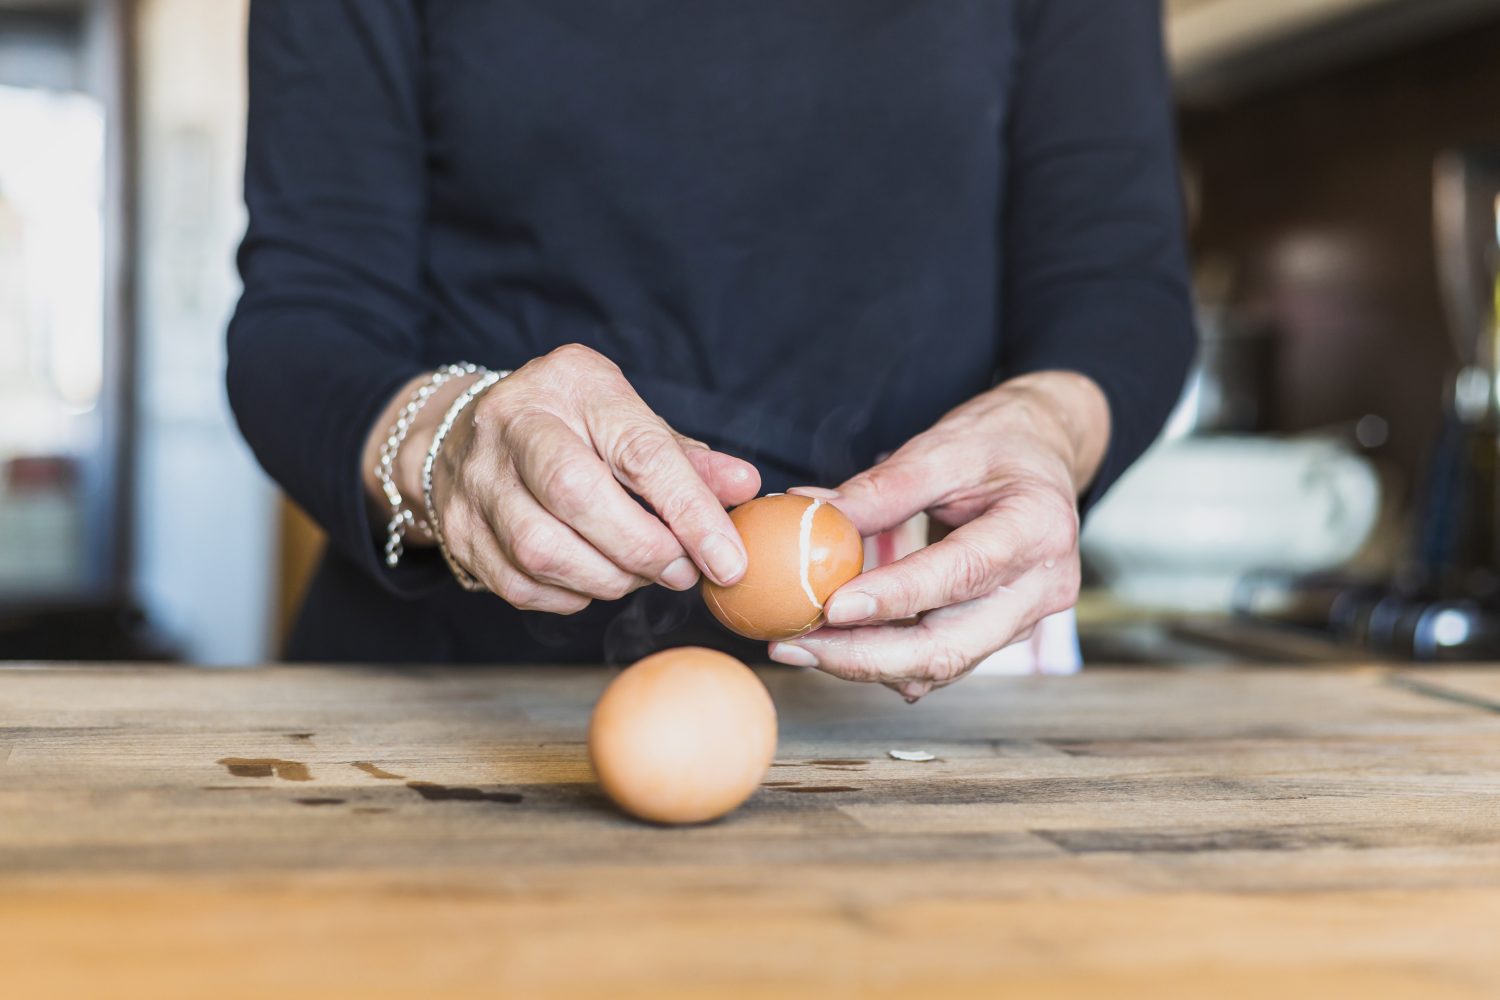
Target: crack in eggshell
{"x": 804, "y": 553}
{"x": 734, "y": 619}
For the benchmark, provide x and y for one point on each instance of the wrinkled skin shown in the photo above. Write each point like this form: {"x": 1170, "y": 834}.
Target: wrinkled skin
{"x": 1004, "y": 471}
{"x": 531, "y": 488}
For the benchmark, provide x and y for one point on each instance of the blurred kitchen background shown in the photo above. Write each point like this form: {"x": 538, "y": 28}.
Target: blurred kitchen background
{"x": 1327, "y": 489}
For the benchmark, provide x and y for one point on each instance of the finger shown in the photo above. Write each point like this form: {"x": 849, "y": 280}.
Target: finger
{"x": 884, "y": 654}
{"x": 646, "y": 457}
{"x": 550, "y": 552}
{"x": 912, "y": 691}
{"x": 570, "y": 480}
{"x": 478, "y": 552}
{"x": 734, "y": 481}
{"x": 942, "y": 647}
{"x": 990, "y": 551}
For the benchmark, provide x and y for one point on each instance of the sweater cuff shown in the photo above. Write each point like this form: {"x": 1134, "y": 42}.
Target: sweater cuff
{"x": 333, "y": 395}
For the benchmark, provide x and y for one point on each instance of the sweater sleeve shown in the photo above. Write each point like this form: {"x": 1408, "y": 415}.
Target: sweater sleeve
{"x": 1096, "y": 272}
{"x": 327, "y": 328}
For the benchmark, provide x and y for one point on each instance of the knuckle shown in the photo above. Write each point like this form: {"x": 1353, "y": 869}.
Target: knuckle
{"x": 524, "y": 595}
{"x": 640, "y": 451}
{"x": 535, "y": 549}
{"x": 677, "y": 506}
{"x": 874, "y": 485}
{"x": 517, "y": 420}
{"x": 616, "y": 588}
{"x": 1058, "y": 514}
{"x": 905, "y": 597}
{"x": 577, "y": 355}
{"x": 517, "y": 592}
{"x": 969, "y": 569}
{"x": 946, "y": 663}
{"x": 1067, "y": 525}
{"x": 564, "y": 366}
{"x": 881, "y": 662}
{"x": 648, "y": 557}
{"x": 569, "y": 482}
{"x": 1064, "y": 594}
{"x": 856, "y": 663}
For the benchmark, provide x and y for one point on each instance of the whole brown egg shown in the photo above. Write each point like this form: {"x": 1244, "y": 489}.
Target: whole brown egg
{"x": 683, "y": 736}
{"x": 801, "y": 550}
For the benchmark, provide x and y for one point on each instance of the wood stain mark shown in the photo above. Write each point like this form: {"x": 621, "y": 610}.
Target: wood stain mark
{"x": 1159, "y": 841}
{"x": 320, "y": 802}
{"x": 264, "y": 767}
{"x": 837, "y": 762}
{"x": 785, "y": 764}
{"x": 846, "y": 770}
{"x": 376, "y": 771}
{"x": 370, "y": 810}
{"x": 778, "y": 784}
{"x": 822, "y": 788}
{"x": 300, "y": 736}
{"x": 433, "y": 792}
{"x": 859, "y": 916}
{"x": 1078, "y": 748}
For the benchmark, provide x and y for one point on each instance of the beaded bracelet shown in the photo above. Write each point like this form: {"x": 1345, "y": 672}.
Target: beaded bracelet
{"x": 402, "y": 518}
{"x": 464, "y": 577}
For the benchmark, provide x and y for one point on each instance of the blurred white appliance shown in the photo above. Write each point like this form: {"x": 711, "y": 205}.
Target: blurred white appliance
{"x": 1196, "y": 515}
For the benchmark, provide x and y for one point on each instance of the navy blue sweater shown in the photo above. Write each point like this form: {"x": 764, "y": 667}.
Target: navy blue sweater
{"x": 803, "y": 228}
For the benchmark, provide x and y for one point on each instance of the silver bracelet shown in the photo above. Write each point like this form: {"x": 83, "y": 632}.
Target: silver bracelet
{"x": 464, "y": 577}
{"x": 401, "y": 515}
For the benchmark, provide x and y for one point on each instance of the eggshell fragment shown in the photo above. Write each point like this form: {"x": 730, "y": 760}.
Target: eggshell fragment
{"x": 801, "y": 550}
{"x": 683, "y": 736}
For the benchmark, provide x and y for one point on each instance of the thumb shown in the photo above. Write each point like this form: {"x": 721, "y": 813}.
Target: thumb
{"x": 888, "y": 494}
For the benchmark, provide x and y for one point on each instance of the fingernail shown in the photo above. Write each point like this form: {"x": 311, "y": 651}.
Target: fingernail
{"x": 792, "y": 655}
{"x": 681, "y": 574}
{"x": 845, "y": 608}
{"x": 816, "y": 492}
{"x": 726, "y": 563}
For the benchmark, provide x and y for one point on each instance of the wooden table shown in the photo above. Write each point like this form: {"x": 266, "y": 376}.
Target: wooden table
{"x": 180, "y": 833}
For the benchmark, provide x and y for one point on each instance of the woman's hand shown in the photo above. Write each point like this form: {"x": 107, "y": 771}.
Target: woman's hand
{"x": 1004, "y": 470}
{"x": 531, "y": 488}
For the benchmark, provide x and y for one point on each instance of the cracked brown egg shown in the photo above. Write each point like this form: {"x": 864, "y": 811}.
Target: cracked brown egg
{"x": 683, "y": 736}
{"x": 801, "y": 550}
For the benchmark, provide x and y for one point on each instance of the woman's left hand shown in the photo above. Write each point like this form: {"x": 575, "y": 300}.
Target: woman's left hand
{"x": 1004, "y": 470}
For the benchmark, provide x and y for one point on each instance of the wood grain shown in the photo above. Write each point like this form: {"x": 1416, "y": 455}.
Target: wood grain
{"x": 1122, "y": 833}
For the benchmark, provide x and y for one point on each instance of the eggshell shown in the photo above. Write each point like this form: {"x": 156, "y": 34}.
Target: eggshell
{"x": 683, "y": 736}
{"x": 801, "y": 550}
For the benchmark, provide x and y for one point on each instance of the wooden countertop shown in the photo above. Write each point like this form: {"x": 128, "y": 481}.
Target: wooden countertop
{"x": 298, "y": 832}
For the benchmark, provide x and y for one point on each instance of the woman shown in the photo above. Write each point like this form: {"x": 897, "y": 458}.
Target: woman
{"x": 726, "y": 248}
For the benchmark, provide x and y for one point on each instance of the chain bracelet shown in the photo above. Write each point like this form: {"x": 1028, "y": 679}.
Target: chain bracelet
{"x": 464, "y": 577}
{"x": 402, "y": 519}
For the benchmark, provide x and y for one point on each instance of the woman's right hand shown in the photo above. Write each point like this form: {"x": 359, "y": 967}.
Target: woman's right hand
{"x": 531, "y": 488}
